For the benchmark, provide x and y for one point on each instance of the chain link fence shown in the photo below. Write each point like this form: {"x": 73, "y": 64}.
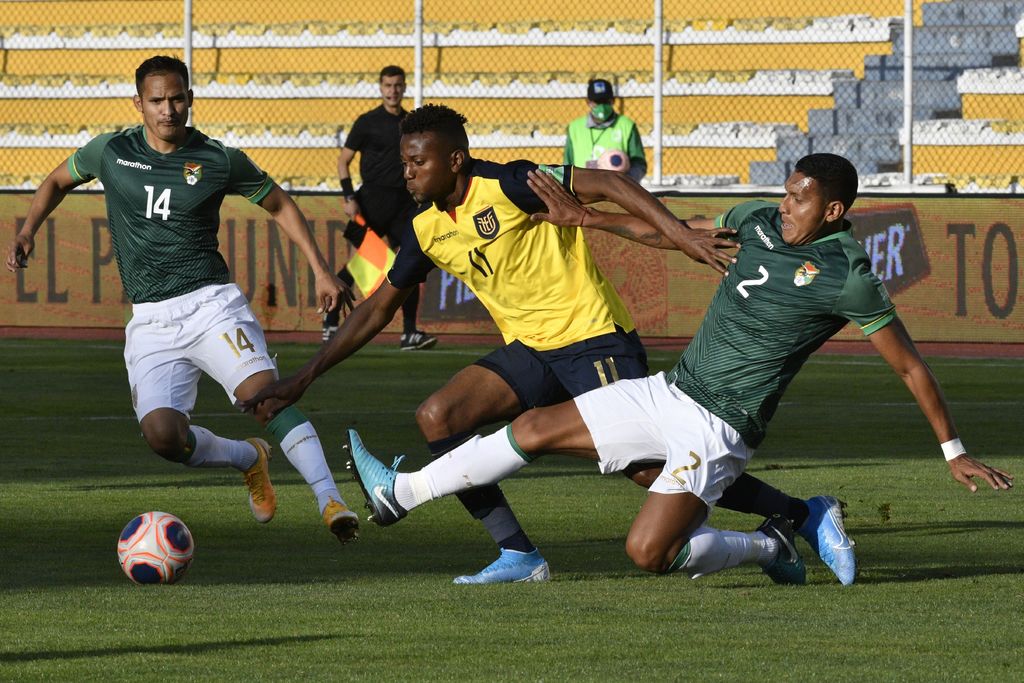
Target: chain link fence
{"x": 742, "y": 89}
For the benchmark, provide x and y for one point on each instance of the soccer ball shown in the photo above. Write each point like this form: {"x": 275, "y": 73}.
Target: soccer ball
{"x": 613, "y": 160}
{"x": 155, "y": 547}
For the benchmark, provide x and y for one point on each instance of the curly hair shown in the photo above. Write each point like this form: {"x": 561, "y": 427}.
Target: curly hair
{"x": 836, "y": 175}
{"x": 441, "y": 120}
{"x": 161, "y": 64}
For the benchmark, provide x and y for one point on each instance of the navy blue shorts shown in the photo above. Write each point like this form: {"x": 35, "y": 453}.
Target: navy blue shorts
{"x": 544, "y": 378}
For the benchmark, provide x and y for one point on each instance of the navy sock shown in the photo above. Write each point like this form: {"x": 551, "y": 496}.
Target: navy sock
{"x": 751, "y": 495}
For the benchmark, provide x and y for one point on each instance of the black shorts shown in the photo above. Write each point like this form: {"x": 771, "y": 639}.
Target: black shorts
{"x": 543, "y": 378}
{"x": 387, "y": 210}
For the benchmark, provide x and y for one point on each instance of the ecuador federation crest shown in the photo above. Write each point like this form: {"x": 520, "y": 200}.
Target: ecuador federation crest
{"x": 193, "y": 172}
{"x": 486, "y": 223}
{"x": 805, "y": 274}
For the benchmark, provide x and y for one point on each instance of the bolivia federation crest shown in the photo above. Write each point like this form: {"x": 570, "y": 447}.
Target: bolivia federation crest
{"x": 193, "y": 173}
{"x": 805, "y": 274}
{"x": 486, "y": 223}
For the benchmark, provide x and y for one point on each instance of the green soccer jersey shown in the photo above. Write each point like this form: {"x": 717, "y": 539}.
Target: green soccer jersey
{"x": 777, "y": 305}
{"x": 163, "y": 210}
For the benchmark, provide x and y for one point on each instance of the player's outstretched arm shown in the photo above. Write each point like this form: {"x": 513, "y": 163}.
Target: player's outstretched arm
{"x": 593, "y": 185}
{"x": 362, "y": 325}
{"x": 48, "y": 196}
{"x": 566, "y": 210}
{"x": 894, "y": 344}
{"x": 330, "y": 291}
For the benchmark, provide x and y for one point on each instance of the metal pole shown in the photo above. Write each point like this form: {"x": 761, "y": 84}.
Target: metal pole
{"x": 188, "y": 50}
{"x": 659, "y": 44}
{"x": 908, "y": 91}
{"x": 418, "y": 53}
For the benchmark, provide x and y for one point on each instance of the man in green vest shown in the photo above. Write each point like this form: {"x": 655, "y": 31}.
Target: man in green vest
{"x": 603, "y": 138}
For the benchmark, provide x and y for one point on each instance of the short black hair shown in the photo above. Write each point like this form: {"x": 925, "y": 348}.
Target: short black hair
{"x": 437, "y": 118}
{"x": 836, "y": 175}
{"x": 161, "y": 64}
{"x": 391, "y": 70}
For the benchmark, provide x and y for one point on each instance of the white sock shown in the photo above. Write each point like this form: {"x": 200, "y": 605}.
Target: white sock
{"x": 302, "y": 448}
{"x": 712, "y": 550}
{"x": 481, "y": 460}
{"x": 769, "y": 548}
{"x": 216, "y": 451}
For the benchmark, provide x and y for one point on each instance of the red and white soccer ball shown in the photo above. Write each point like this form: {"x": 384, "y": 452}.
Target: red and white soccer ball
{"x": 155, "y": 547}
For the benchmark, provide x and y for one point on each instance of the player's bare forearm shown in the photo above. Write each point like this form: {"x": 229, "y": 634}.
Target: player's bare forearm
{"x": 712, "y": 248}
{"x": 287, "y": 215}
{"x": 48, "y": 196}
{"x": 566, "y": 210}
{"x": 627, "y": 227}
{"x": 363, "y": 324}
{"x": 330, "y": 291}
{"x": 894, "y": 344}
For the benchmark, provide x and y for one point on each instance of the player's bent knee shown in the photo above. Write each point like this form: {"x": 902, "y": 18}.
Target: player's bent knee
{"x": 432, "y": 415}
{"x": 168, "y": 448}
{"x": 646, "y": 555}
{"x": 166, "y": 438}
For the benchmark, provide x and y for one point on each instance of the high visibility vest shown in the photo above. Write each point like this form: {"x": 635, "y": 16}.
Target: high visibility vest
{"x": 587, "y": 144}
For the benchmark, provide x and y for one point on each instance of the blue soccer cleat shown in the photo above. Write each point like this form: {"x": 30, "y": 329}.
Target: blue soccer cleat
{"x": 788, "y": 566}
{"x": 511, "y": 566}
{"x": 823, "y": 530}
{"x": 377, "y": 482}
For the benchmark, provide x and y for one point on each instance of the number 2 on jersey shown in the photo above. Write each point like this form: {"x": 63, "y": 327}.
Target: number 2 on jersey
{"x": 742, "y": 287}
{"x": 162, "y": 205}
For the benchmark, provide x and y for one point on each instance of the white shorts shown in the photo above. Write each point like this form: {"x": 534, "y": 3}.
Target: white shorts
{"x": 650, "y": 420}
{"x": 168, "y": 344}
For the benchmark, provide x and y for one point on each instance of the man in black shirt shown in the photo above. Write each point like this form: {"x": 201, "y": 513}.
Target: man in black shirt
{"x": 382, "y": 199}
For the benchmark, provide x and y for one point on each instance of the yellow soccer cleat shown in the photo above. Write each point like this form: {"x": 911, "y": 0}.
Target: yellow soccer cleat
{"x": 342, "y": 522}
{"x": 262, "y": 499}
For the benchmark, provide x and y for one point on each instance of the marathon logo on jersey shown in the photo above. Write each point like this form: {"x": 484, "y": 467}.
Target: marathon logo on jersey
{"x": 486, "y": 223}
{"x": 134, "y": 164}
{"x": 193, "y": 173}
{"x": 763, "y": 237}
{"x": 805, "y": 274}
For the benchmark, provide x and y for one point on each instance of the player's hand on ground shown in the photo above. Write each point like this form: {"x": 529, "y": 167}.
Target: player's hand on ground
{"x": 331, "y": 293}
{"x": 351, "y": 207}
{"x": 563, "y": 209}
{"x": 964, "y": 468}
{"x": 18, "y": 251}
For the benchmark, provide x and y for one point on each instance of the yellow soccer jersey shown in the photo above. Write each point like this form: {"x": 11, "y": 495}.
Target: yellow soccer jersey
{"x": 538, "y": 281}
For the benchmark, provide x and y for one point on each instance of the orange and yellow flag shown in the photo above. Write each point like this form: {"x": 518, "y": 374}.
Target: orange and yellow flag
{"x": 371, "y": 262}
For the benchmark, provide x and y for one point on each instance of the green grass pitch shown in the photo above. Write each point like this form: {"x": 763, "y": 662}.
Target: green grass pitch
{"x": 939, "y": 594}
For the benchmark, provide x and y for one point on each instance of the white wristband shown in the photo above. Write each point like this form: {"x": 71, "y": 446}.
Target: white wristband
{"x": 953, "y": 449}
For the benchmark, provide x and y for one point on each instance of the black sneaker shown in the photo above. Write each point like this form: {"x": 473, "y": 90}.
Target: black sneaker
{"x": 416, "y": 341}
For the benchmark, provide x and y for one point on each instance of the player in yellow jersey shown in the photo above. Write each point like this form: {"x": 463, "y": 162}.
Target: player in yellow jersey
{"x": 565, "y": 329}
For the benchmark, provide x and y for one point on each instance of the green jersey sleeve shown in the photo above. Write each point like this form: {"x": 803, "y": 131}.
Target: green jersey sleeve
{"x": 864, "y": 299}
{"x": 737, "y": 217}
{"x": 84, "y": 164}
{"x": 246, "y": 178}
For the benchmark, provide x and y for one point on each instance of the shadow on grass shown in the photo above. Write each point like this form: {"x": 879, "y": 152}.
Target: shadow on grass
{"x": 192, "y": 648}
{"x": 938, "y": 529}
{"x": 902, "y": 575}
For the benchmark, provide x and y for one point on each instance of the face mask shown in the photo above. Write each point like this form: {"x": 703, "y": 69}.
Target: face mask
{"x": 602, "y": 112}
